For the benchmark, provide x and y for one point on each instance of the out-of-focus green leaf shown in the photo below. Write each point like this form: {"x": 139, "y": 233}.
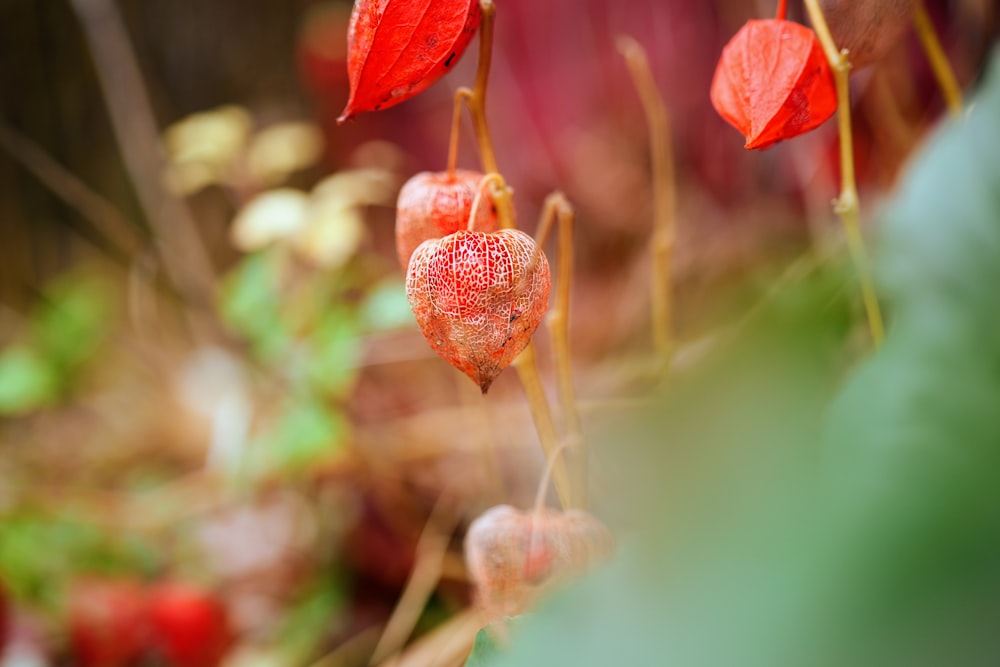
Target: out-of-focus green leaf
{"x": 307, "y": 433}
{"x": 484, "y": 650}
{"x": 771, "y": 524}
{"x": 311, "y": 619}
{"x": 914, "y": 439}
{"x": 72, "y": 321}
{"x": 251, "y": 303}
{"x": 387, "y": 308}
{"x": 334, "y": 352}
{"x": 37, "y": 554}
{"x": 27, "y": 381}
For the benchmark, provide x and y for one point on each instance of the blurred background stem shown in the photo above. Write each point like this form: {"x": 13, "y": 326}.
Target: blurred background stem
{"x": 847, "y": 205}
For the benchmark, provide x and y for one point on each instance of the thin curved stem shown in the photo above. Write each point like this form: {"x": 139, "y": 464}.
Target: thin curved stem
{"x": 503, "y": 200}
{"x": 782, "y": 9}
{"x": 558, "y": 210}
{"x": 526, "y": 365}
{"x": 847, "y": 205}
{"x": 543, "y": 483}
{"x": 477, "y": 100}
{"x": 943, "y": 72}
{"x": 462, "y": 96}
{"x": 664, "y": 195}
{"x": 182, "y": 253}
{"x": 492, "y": 180}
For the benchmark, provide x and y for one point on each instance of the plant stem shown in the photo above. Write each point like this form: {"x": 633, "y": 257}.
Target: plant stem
{"x": 526, "y": 364}
{"x": 477, "y": 100}
{"x": 847, "y": 205}
{"x": 664, "y": 195}
{"x": 939, "y": 61}
{"x": 461, "y": 96}
{"x": 782, "y": 9}
{"x": 543, "y": 483}
{"x": 503, "y": 200}
{"x": 181, "y": 251}
{"x": 558, "y": 209}
{"x": 498, "y": 185}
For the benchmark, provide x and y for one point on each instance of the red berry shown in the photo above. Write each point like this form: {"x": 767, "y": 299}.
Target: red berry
{"x": 435, "y": 204}
{"x": 107, "y": 622}
{"x": 190, "y": 627}
{"x": 478, "y": 298}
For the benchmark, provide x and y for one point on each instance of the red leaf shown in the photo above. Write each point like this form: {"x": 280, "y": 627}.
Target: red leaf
{"x": 773, "y": 82}
{"x": 397, "y": 48}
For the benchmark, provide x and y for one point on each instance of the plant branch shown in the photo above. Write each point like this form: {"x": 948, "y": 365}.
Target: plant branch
{"x": 183, "y": 256}
{"x": 558, "y": 209}
{"x": 943, "y": 72}
{"x": 477, "y": 99}
{"x": 430, "y": 551}
{"x": 847, "y": 204}
{"x": 527, "y": 362}
{"x": 495, "y": 182}
{"x": 664, "y": 196}
{"x": 526, "y": 365}
{"x": 97, "y": 210}
{"x": 462, "y": 96}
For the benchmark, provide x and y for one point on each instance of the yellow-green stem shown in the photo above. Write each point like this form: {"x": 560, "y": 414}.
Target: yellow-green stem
{"x": 495, "y": 183}
{"x": 558, "y": 209}
{"x": 526, "y": 363}
{"x": 477, "y": 100}
{"x": 939, "y": 61}
{"x": 847, "y": 205}
{"x": 664, "y": 195}
{"x": 527, "y": 369}
{"x": 461, "y": 96}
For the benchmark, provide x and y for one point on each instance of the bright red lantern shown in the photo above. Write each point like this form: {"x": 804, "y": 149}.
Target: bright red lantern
{"x": 773, "y": 82}
{"x": 397, "y": 48}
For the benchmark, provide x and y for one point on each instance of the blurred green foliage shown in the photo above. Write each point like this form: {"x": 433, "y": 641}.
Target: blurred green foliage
{"x": 62, "y": 334}
{"x": 780, "y": 507}
{"x": 38, "y": 556}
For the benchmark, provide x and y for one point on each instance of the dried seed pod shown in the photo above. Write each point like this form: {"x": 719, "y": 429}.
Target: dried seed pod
{"x": 773, "y": 82}
{"x": 512, "y": 553}
{"x": 435, "y": 204}
{"x": 867, "y": 28}
{"x": 478, "y": 298}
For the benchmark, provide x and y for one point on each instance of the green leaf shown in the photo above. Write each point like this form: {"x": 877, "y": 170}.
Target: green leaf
{"x": 27, "y": 381}
{"x": 914, "y": 439}
{"x": 484, "y": 650}
{"x": 924, "y": 410}
{"x": 333, "y": 353}
{"x": 387, "y": 307}
{"x": 773, "y": 525}
{"x": 72, "y": 321}
{"x": 251, "y": 303}
{"x": 312, "y": 618}
{"x": 307, "y": 433}
{"x": 38, "y": 555}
